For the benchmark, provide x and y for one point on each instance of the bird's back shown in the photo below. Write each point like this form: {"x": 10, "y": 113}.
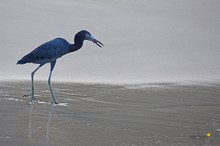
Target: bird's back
{"x": 47, "y": 52}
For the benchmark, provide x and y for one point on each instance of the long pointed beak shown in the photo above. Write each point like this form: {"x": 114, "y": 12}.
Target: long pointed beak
{"x": 96, "y": 41}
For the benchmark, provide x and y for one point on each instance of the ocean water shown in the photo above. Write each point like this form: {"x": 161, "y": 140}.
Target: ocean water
{"x": 145, "y": 41}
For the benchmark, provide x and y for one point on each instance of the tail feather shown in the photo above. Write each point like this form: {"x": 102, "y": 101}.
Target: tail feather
{"x": 26, "y": 59}
{"x": 21, "y": 61}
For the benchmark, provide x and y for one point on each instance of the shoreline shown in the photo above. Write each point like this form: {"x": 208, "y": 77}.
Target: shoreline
{"x": 180, "y": 82}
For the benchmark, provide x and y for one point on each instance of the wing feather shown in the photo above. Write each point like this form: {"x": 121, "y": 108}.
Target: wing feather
{"x": 46, "y": 52}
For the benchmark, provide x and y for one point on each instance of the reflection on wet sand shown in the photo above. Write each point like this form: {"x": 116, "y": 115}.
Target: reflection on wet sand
{"x": 30, "y": 128}
{"x": 48, "y": 122}
{"x": 30, "y": 122}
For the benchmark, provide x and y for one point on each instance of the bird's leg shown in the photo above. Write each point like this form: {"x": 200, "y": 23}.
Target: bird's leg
{"x": 52, "y": 64}
{"x": 33, "y": 98}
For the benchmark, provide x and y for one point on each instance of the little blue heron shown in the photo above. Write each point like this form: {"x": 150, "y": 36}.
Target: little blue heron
{"x": 50, "y": 51}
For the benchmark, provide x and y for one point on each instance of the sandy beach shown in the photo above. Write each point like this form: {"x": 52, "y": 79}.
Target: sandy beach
{"x": 162, "y": 114}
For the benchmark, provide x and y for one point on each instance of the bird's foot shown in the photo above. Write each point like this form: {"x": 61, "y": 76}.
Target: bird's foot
{"x": 34, "y": 100}
{"x": 54, "y": 102}
{"x": 26, "y": 95}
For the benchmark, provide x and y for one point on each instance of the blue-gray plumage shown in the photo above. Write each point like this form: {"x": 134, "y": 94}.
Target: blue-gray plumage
{"x": 50, "y": 51}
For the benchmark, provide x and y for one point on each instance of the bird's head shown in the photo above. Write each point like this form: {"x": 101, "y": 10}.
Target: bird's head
{"x": 85, "y": 35}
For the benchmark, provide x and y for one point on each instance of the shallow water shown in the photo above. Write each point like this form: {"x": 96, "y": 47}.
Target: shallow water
{"x": 96, "y": 114}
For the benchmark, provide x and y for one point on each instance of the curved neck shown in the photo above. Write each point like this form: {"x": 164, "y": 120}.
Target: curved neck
{"x": 74, "y": 47}
{"x": 78, "y": 43}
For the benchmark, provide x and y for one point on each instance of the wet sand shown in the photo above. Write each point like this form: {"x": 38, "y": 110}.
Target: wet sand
{"x": 105, "y": 115}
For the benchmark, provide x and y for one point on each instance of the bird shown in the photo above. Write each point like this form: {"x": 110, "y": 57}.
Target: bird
{"x": 50, "y": 51}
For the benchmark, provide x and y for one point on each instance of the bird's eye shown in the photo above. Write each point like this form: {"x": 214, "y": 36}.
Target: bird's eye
{"x": 87, "y": 36}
